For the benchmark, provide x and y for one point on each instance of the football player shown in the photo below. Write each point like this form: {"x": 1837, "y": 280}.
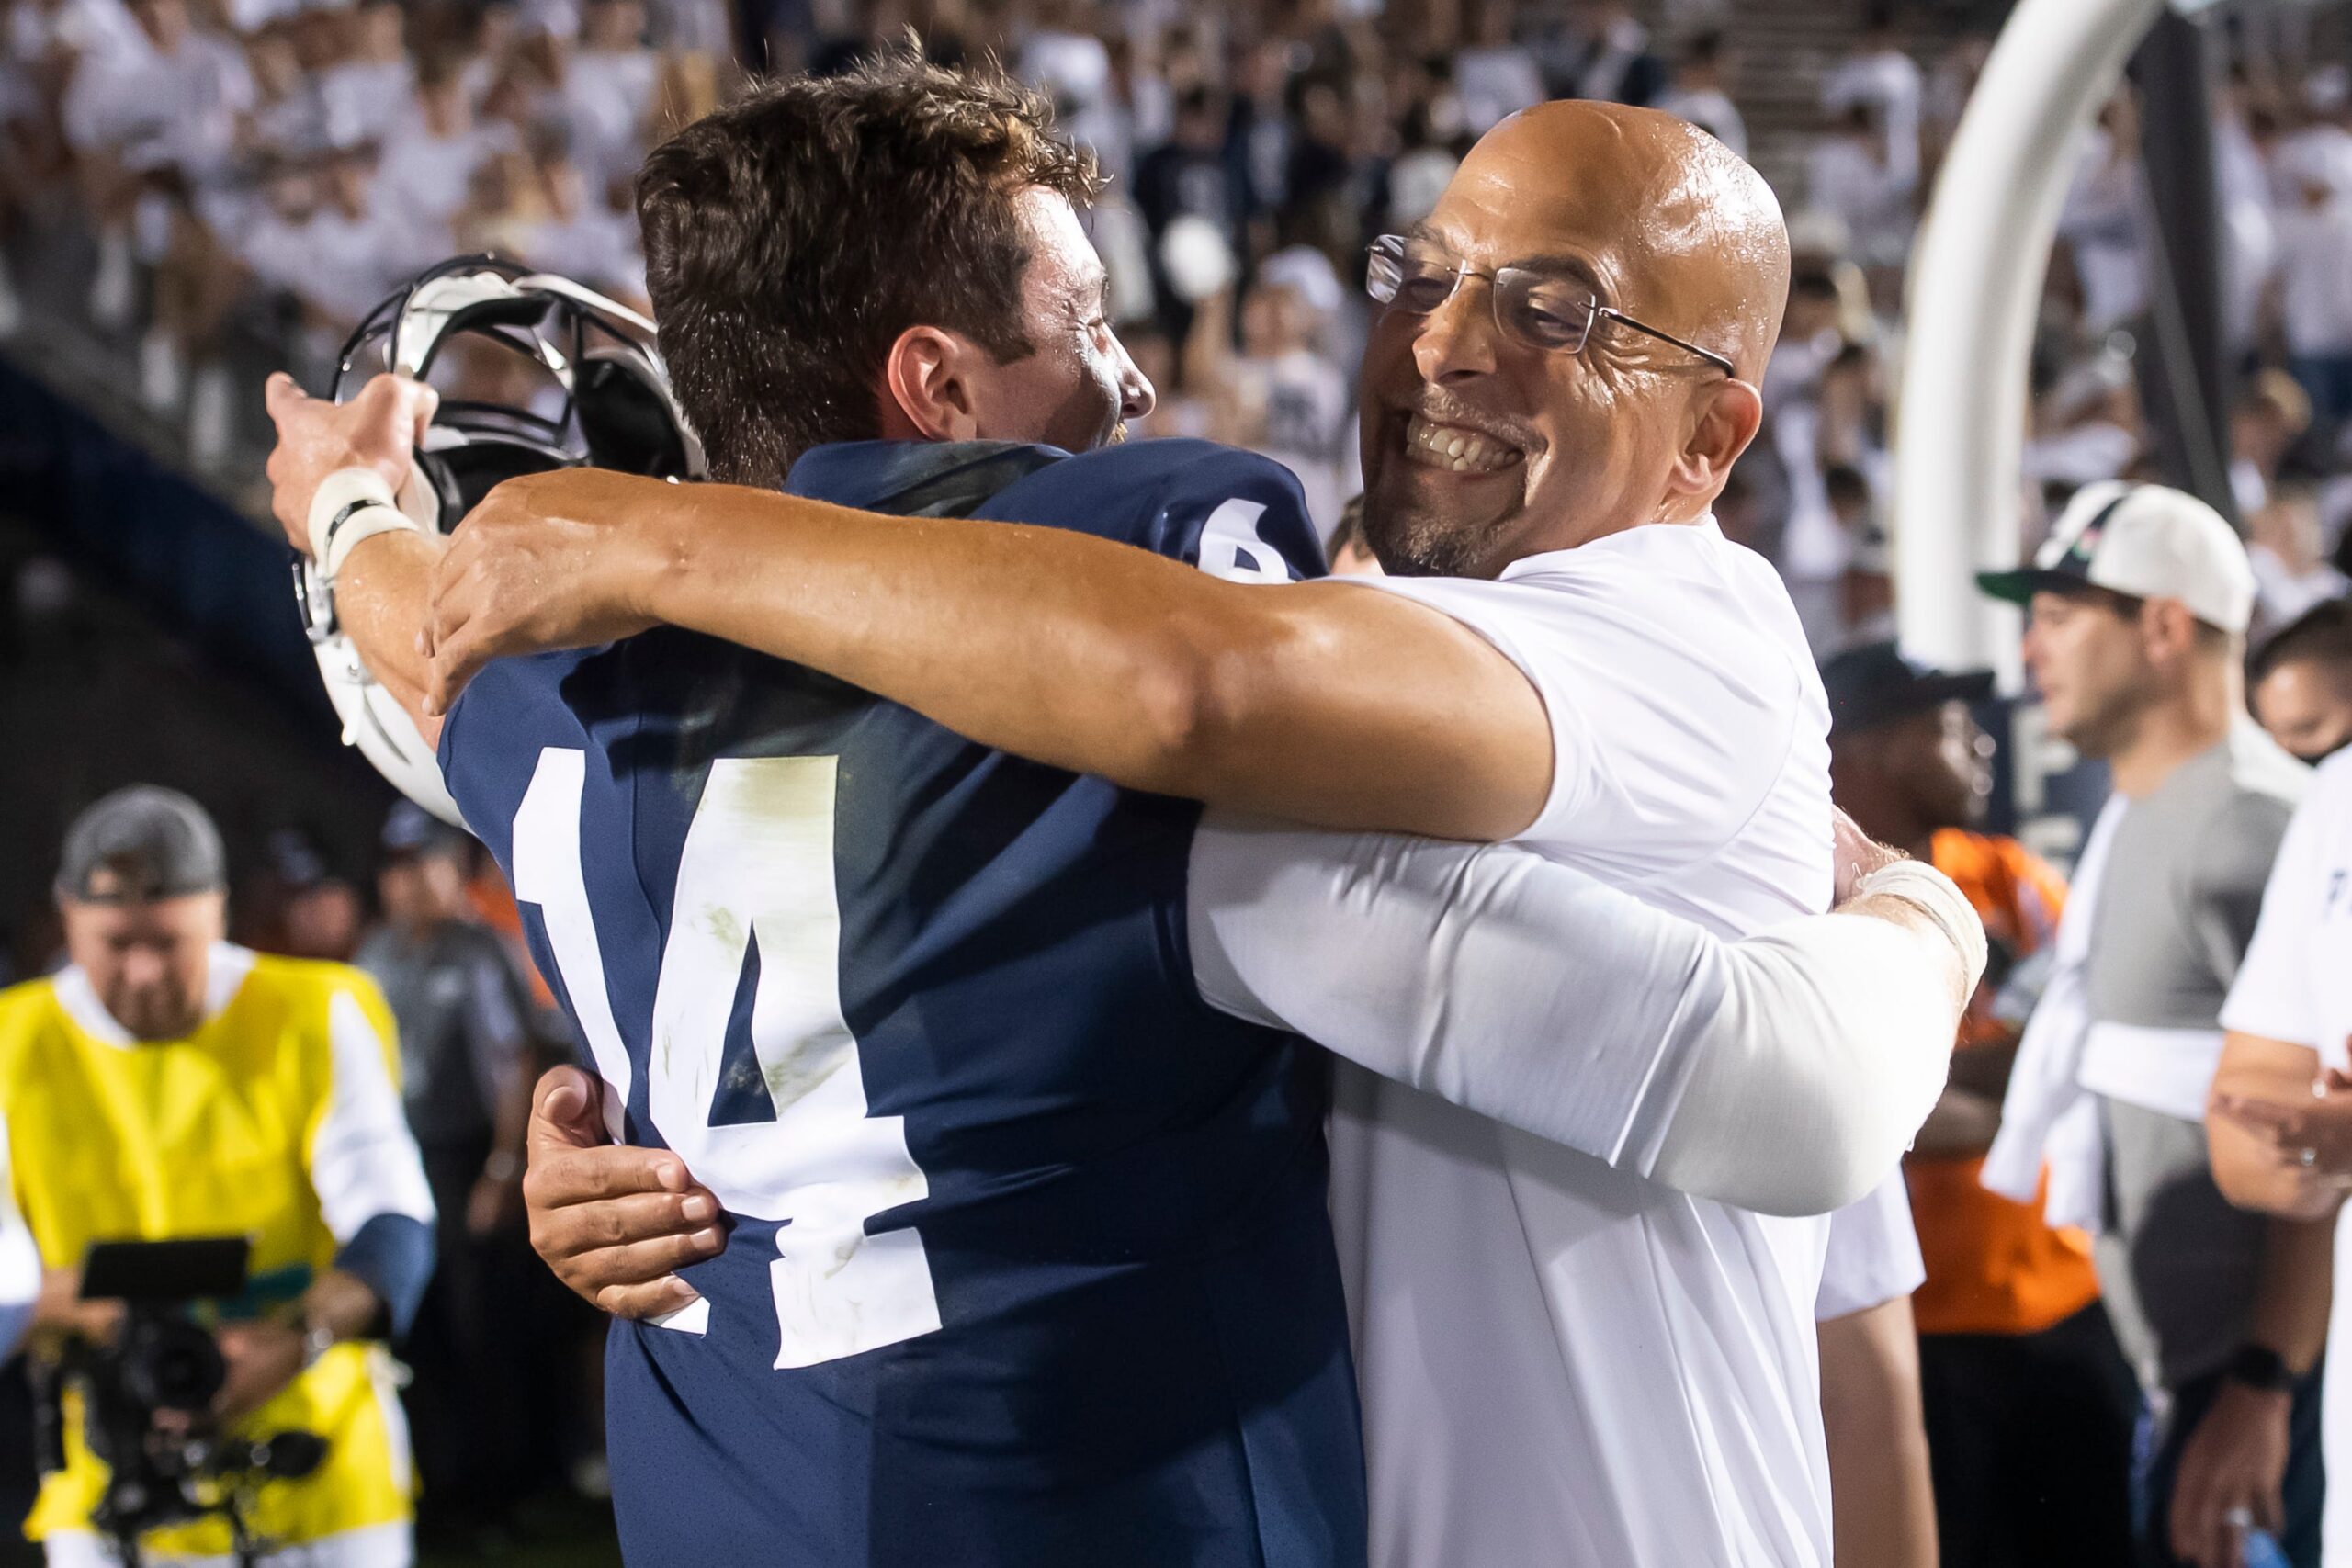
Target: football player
{"x": 1024, "y": 1256}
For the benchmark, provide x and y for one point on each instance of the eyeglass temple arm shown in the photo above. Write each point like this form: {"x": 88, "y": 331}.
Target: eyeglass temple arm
{"x": 1709, "y": 355}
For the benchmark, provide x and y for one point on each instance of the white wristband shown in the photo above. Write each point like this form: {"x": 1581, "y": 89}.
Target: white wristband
{"x": 1923, "y": 887}
{"x": 351, "y": 504}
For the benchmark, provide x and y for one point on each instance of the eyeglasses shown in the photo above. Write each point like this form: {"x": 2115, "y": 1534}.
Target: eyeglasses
{"x": 1540, "y": 309}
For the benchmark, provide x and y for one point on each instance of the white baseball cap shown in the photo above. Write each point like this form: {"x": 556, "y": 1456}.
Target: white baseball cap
{"x": 2147, "y": 541}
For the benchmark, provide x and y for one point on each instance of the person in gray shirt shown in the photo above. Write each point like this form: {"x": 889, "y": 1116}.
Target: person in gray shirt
{"x": 466, "y": 1032}
{"x": 2139, "y": 603}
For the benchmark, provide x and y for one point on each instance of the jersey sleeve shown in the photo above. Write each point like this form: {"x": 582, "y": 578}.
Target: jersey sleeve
{"x": 1235, "y": 515}
{"x": 1874, "y": 1255}
{"x": 363, "y": 1160}
{"x": 2272, "y": 995}
{"x": 1669, "y": 725}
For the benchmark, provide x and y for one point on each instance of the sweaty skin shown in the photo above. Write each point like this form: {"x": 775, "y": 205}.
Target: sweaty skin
{"x": 1318, "y": 702}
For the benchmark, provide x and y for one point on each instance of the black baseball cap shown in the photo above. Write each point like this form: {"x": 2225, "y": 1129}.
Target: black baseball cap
{"x": 148, "y": 843}
{"x": 411, "y": 832}
{"x": 1873, "y": 683}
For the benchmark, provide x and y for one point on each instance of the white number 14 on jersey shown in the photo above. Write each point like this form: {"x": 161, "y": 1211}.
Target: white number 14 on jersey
{"x": 755, "y": 888}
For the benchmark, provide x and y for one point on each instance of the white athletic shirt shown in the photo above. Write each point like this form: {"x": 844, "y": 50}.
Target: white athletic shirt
{"x": 1564, "y": 1365}
{"x": 1873, "y": 1254}
{"x": 2296, "y": 987}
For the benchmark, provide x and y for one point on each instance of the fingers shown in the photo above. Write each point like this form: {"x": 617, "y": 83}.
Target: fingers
{"x": 587, "y": 1176}
{"x": 663, "y": 1296}
{"x": 563, "y": 1112}
{"x": 576, "y": 1230}
{"x": 635, "y": 1263}
{"x": 2279, "y": 1125}
{"x": 281, "y": 396}
{"x": 427, "y": 404}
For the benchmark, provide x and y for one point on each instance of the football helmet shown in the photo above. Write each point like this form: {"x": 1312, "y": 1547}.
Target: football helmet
{"x": 603, "y": 401}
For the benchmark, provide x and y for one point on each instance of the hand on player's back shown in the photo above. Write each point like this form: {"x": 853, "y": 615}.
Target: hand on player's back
{"x": 615, "y": 1223}
{"x": 1857, "y": 854}
{"x": 378, "y": 429}
{"x": 542, "y": 563}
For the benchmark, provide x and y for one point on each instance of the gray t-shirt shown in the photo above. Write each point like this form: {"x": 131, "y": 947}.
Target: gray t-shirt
{"x": 462, "y": 1010}
{"x": 2176, "y": 908}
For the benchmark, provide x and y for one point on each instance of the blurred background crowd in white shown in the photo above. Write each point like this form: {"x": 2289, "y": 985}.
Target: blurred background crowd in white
{"x": 193, "y": 190}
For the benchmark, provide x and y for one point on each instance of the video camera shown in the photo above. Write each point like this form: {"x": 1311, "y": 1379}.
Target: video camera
{"x": 163, "y": 1362}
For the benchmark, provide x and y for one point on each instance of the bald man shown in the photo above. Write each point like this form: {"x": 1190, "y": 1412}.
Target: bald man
{"x": 1563, "y": 1359}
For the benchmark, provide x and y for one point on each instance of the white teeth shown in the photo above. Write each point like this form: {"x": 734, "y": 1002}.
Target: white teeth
{"x": 1456, "y": 449}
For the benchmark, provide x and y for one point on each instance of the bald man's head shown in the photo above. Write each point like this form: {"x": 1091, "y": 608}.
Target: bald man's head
{"x": 1484, "y": 442}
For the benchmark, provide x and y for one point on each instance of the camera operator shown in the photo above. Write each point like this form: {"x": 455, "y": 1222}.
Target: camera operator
{"x": 168, "y": 1086}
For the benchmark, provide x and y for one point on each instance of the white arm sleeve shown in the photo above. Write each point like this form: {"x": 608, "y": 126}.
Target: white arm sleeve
{"x": 1786, "y": 1073}
{"x": 363, "y": 1160}
{"x": 19, "y": 1260}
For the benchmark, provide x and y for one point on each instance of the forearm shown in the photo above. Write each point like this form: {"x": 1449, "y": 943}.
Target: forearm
{"x": 381, "y": 600}
{"x": 1785, "y": 1073}
{"x": 2248, "y": 1168}
{"x": 1322, "y": 704}
{"x": 2293, "y": 1291}
{"x": 2252, "y": 1176}
{"x": 1829, "y": 1050}
{"x": 1882, "y": 1500}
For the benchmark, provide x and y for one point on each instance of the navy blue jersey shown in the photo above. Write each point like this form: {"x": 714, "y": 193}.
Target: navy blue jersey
{"x": 1028, "y": 1262}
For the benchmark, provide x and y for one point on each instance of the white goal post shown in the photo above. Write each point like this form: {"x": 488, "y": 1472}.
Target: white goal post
{"x": 1971, "y": 296}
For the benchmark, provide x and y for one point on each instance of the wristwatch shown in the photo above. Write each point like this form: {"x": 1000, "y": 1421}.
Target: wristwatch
{"x": 2260, "y": 1367}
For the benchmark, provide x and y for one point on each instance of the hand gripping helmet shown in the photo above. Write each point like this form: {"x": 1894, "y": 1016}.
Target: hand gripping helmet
{"x": 604, "y": 403}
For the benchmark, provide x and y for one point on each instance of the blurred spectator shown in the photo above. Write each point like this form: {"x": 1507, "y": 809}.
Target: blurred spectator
{"x": 296, "y": 905}
{"x": 2140, "y": 601}
{"x": 1878, "y": 77}
{"x": 1603, "y": 51}
{"x": 2105, "y": 222}
{"x": 1285, "y": 398}
{"x": 2029, "y": 1402}
{"x": 464, "y": 1015}
{"x": 1850, "y": 177}
{"x": 367, "y": 94}
{"x": 2301, "y": 681}
{"x": 608, "y": 95}
{"x": 1494, "y": 75}
{"x": 1701, "y": 91}
{"x": 2319, "y": 151}
{"x": 2314, "y": 227}
{"x": 1866, "y": 589}
{"x": 2272, "y": 415}
{"x": 2291, "y": 568}
{"x": 426, "y": 166}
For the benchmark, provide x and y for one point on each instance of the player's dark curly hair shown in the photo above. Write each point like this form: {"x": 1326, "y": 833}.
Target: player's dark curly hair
{"x": 791, "y": 236}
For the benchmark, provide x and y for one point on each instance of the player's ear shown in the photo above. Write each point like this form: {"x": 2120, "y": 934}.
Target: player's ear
{"x": 1724, "y": 418}
{"x": 926, "y": 379}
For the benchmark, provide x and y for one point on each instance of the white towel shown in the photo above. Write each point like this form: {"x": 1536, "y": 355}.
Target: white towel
{"x": 2047, "y": 1114}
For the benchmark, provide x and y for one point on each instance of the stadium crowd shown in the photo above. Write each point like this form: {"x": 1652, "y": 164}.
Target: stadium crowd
{"x": 209, "y": 187}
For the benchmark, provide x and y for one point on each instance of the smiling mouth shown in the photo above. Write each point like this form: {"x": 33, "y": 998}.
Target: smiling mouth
{"x": 1456, "y": 448}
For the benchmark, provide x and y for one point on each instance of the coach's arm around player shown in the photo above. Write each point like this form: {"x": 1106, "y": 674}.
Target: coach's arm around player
{"x": 1785, "y": 1072}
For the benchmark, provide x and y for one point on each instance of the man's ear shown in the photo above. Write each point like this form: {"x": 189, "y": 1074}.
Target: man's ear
{"x": 2167, "y": 631}
{"x": 1724, "y": 417}
{"x": 927, "y": 387}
